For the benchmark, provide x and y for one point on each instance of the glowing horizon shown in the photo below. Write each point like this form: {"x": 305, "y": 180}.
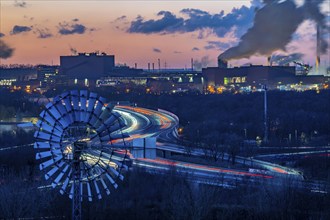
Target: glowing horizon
{"x": 105, "y": 29}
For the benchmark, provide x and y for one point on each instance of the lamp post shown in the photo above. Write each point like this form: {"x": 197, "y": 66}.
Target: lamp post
{"x": 265, "y": 114}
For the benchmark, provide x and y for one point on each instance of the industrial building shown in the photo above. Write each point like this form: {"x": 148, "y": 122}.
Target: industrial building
{"x": 47, "y": 75}
{"x": 19, "y": 77}
{"x": 247, "y": 75}
{"x": 16, "y": 73}
{"x": 87, "y": 65}
{"x": 160, "y": 81}
{"x": 254, "y": 76}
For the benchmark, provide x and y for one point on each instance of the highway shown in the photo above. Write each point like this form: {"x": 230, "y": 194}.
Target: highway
{"x": 162, "y": 124}
{"x": 226, "y": 178}
{"x": 143, "y": 123}
{"x": 295, "y": 155}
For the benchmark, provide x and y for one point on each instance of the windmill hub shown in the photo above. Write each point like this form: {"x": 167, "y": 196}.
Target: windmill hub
{"x": 79, "y": 146}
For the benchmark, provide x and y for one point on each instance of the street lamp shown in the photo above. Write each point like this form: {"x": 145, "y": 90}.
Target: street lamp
{"x": 264, "y": 87}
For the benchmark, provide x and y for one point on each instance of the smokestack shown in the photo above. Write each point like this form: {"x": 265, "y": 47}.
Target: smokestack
{"x": 135, "y": 65}
{"x": 158, "y": 64}
{"x": 153, "y": 67}
{"x": 318, "y": 47}
{"x": 192, "y": 64}
{"x": 222, "y": 63}
{"x": 149, "y": 67}
{"x": 269, "y": 63}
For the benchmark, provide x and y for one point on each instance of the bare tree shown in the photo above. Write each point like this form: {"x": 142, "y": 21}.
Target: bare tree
{"x": 233, "y": 142}
{"x": 214, "y": 151}
{"x": 20, "y": 198}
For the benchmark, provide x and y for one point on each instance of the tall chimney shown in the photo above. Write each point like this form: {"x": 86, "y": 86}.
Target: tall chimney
{"x": 158, "y": 64}
{"x": 269, "y": 61}
{"x": 153, "y": 67}
{"x": 192, "y": 64}
{"x": 135, "y": 65}
{"x": 318, "y": 49}
{"x": 149, "y": 67}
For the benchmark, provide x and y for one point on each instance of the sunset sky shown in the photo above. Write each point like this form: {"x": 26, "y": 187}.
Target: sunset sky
{"x": 140, "y": 31}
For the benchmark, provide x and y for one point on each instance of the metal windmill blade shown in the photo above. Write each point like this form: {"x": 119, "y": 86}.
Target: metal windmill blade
{"x": 80, "y": 146}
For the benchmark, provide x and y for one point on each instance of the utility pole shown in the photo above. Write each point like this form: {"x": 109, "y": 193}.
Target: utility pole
{"x": 265, "y": 114}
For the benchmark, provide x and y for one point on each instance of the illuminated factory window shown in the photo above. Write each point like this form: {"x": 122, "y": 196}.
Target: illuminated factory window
{"x": 75, "y": 81}
{"x": 86, "y": 82}
{"x": 233, "y": 80}
{"x": 226, "y": 80}
{"x": 7, "y": 82}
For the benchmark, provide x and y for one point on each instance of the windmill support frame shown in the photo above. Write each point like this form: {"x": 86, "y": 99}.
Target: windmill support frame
{"x": 76, "y": 198}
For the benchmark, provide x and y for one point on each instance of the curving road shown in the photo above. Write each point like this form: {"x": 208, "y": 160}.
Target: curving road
{"x": 142, "y": 123}
{"x": 161, "y": 124}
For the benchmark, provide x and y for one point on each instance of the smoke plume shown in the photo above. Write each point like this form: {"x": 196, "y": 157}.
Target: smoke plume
{"x": 202, "y": 63}
{"x": 274, "y": 26}
{"x": 5, "y": 50}
{"x": 281, "y": 59}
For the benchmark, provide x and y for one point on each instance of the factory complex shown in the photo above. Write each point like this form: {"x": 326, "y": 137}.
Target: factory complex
{"x": 97, "y": 70}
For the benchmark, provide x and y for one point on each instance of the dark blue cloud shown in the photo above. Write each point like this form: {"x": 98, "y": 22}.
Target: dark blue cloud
{"x": 2, "y": 35}
{"x": 73, "y": 27}
{"x": 198, "y": 20}
{"x": 67, "y": 29}
{"x": 20, "y": 29}
{"x": 168, "y": 23}
{"x": 5, "y": 50}
{"x": 156, "y": 50}
{"x": 220, "y": 24}
{"x": 195, "y": 49}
